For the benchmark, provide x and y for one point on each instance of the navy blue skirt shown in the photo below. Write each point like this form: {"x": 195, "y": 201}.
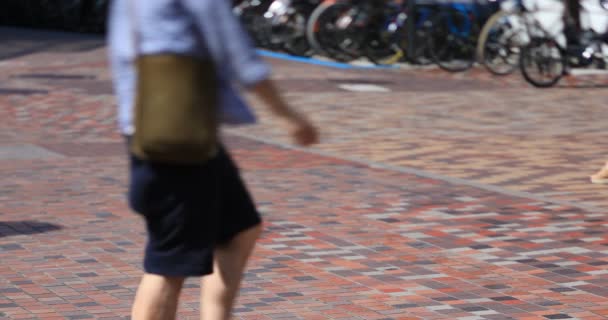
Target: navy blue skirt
{"x": 189, "y": 211}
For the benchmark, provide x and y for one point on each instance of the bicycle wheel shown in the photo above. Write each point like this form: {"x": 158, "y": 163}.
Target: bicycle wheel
{"x": 385, "y": 47}
{"x": 542, "y": 62}
{"x": 322, "y": 32}
{"x": 496, "y": 48}
{"x": 296, "y": 43}
{"x": 421, "y": 55}
{"x": 384, "y": 55}
{"x": 252, "y": 18}
{"x": 452, "y": 41}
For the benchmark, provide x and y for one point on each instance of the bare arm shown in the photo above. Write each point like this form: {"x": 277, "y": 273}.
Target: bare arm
{"x": 267, "y": 92}
{"x": 302, "y": 129}
{"x": 231, "y": 48}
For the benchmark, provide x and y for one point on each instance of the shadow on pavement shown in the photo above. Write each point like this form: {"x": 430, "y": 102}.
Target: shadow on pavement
{"x": 26, "y": 227}
{"x": 17, "y": 42}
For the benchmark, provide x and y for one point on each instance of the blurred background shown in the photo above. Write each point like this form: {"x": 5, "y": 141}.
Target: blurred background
{"x": 544, "y": 39}
{"x": 72, "y": 15}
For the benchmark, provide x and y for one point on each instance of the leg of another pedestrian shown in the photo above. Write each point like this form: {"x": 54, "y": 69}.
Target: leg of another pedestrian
{"x": 157, "y": 298}
{"x": 219, "y": 289}
{"x": 601, "y": 177}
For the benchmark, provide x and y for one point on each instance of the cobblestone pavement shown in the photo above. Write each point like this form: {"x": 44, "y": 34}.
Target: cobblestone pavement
{"x": 440, "y": 197}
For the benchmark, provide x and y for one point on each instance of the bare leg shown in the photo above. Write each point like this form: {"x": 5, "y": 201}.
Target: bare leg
{"x": 221, "y": 288}
{"x": 157, "y": 298}
{"x": 601, "y": 177}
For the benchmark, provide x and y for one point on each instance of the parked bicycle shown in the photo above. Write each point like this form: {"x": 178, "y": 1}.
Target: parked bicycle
{"x": 501, "y": 38}
{"x": 549, "y": 56}
{"x": 444, "y": 33}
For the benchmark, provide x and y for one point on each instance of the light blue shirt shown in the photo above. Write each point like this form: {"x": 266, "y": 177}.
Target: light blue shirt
{"x": 205, "y": 28}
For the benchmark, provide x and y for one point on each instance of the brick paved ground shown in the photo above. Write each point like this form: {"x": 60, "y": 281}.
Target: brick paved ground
{"x": 449, "y": 197}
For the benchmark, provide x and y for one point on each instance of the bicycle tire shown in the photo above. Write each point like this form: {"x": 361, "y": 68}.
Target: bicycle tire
{"x": 312, "y": 36}
{"x": 299, "y": 46}
{"x": 527, "y": 51}
{"x": 390, "y": 50}
{"x": 421, "y": 55}
{"x": 482, "y": 42}
{"x": 389, "y": 57}
{"x": 311, "y": 27}
{"x": 252, "y": 19}
{"x": 438, "y": 22}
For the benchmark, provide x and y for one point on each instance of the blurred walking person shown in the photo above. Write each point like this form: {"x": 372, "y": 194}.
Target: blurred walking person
{"x": 200, "y": 218}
